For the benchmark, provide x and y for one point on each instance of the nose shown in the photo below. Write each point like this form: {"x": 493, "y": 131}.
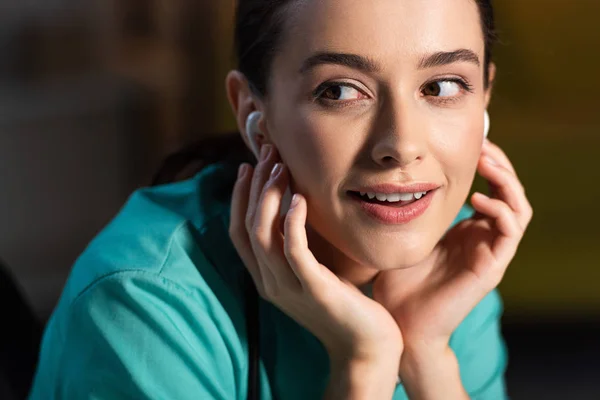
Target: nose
{"x": 401, "y": 137}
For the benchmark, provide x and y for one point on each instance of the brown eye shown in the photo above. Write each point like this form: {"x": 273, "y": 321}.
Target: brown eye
{"x": 442, "y": 89}
{"x": 432, "y": 89}
{"x": 339, "y": 92}
{"x": 333, "y": 93}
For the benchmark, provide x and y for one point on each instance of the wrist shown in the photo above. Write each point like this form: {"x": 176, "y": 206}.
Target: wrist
{"x": 363, "y": 379}
{"x": 431, "y": 372}
{"x": 382, "y": 352}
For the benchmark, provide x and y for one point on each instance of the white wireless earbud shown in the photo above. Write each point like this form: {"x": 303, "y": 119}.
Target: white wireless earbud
{"x": 486, "y": 119}
{"x": 252, "y": 130}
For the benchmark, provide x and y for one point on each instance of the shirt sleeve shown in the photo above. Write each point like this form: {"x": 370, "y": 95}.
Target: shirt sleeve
{"x": 136, "y": 335}
{"x": 481, "y": 350}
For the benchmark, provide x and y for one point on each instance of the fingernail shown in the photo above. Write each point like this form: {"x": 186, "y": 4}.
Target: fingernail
{"x": 242, "y": 170}
{"x": 276, "y": 170}
{"x": 265, "y": 152}
{"x": 295, "y": 201}
{"x": 490, "y": 160}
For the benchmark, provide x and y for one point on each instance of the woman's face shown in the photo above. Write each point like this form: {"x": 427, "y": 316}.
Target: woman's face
{"x": 367, "y": 93}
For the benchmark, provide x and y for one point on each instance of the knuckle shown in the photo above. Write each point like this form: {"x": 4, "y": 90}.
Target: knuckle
{"x": 292, "y": 253}
{"x": 316, "y": 293}
{"x": 505, "y": 209}
{"x": 260, "y": 234}
{"x": 249, "y": 221}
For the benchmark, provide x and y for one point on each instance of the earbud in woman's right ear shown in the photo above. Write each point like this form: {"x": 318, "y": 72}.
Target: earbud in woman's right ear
{"x": 252, "y": 131}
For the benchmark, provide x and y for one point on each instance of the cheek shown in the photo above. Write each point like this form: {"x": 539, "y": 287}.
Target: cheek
{"x": 313, "y": 149}
{"x": 458, "y": 149}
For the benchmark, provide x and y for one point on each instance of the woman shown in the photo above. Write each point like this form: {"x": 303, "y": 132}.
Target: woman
{"x": 372, "y": 113}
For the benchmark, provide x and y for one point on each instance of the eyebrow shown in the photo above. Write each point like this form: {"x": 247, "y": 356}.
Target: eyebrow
{"x": 348, "y": 60}
{"x": 368, "y": 65}
{"x": 449, "y": 57}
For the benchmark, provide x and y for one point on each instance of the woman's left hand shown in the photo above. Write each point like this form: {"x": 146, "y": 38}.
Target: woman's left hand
{"x": 468, "y": 263}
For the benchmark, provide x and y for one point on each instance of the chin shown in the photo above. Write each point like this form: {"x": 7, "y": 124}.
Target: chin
{"x": 384, "y": 255}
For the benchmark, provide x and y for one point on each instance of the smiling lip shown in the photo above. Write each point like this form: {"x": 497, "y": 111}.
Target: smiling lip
{"x": 395, "y": 214}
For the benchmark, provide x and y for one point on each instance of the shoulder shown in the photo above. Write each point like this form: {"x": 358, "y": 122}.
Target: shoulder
{"x": 161, "y": 275}
{"x": 109, "y": 327}
{"x": 162, "y": 230}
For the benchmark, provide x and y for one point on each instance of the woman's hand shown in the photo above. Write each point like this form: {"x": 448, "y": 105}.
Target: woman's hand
{"x": 468, "y": 263}
{"x": 356, "y": 331}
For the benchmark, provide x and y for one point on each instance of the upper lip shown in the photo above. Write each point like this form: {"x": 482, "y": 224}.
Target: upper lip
{"x": 392, "y": 188}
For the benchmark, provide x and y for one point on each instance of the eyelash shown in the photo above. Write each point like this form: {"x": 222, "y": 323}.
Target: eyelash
{"x": 318, "y": 92}
{"x": 463, "y": 83}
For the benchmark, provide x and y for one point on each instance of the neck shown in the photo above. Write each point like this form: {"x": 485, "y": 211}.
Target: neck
{"x": 345, "y": 268}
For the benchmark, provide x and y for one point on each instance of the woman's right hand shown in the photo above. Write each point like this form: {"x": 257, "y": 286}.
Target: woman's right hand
{"x": 351, "y": 326}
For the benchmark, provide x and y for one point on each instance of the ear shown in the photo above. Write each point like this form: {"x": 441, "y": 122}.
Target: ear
{"x": 243, "y": 102}
{"x": 490, "y": 87}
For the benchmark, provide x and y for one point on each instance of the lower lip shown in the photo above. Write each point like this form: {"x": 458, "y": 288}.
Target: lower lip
{"x": 394, "y": 215}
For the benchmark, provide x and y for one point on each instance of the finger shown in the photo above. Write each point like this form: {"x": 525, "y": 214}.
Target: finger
{"x": 237, "y": 225}
{"x": 510, "y": 233}
{"x": 266, "y": 236}
{"x": 506, "y": 187}
{"x": 493, "y": 150}
{"x": 309, "y": 271}
{"x": 261, "y": 175}
{"x": 260, "y": 178}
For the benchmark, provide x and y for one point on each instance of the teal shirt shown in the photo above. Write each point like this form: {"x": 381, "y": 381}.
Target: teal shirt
{"x": 154, "y": 309}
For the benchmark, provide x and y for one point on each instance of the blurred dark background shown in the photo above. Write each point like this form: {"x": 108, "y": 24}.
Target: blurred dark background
{"x": 95, "y": 93}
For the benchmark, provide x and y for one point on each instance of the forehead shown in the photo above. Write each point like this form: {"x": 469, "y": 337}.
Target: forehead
{"x": 385, "y": 30}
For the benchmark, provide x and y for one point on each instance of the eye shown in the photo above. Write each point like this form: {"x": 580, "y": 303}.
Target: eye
{"x": 447, "y": 88}
{"x": 336, "y": 91}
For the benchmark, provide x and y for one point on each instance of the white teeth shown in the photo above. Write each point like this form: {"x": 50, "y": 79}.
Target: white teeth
{"x": 406, "y": 196}
{"x": 394, "y": 197}
{"x": 381, "y": 197}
